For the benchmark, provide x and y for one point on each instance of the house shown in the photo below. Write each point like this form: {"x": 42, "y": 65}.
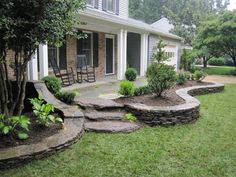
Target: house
{"x": 114, "y": 42}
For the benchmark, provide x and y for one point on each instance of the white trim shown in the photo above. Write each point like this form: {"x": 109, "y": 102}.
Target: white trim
{"x": 109, "y": 36}
{"x": 114, "y": 6}
{"x": 43, "y": 60}
{"x": 90, "y": 5}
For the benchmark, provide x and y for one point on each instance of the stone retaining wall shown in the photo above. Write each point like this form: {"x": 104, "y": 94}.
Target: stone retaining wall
{"x": 173, "y": 115}
{"x": 19, "y": 155}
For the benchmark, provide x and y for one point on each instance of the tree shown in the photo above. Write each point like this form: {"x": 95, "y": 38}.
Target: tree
{"x": 23, "y": 26}
{"x": 185, "y": 15}
{"x": 217, "y": 34}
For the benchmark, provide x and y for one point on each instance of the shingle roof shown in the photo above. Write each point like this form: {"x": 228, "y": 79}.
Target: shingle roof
{"x": 129, "y": 22}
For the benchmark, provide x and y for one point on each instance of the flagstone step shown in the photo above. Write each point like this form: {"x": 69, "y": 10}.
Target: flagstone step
{"x": 101, "y": 116}
{"x": 112, "y": 127}
{"x": 97, "y": 103}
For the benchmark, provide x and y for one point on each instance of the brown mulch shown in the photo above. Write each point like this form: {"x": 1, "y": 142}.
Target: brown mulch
{"x": 169, "y": 97}
{"x": 36, "y": 134}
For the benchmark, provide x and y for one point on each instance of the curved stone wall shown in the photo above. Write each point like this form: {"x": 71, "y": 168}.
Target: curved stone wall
{"x": 15, "y": 156}
{"x": 173, "y": 115}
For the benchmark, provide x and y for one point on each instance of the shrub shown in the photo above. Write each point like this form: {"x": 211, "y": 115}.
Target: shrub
{"x": 217, "y": 61}
{"x": 233, "y": 72}
{"x": 66, "y": 97}
{"x": 44, "y": 112}
{"x": 182, "y": 78}
{"x": 192, "y": 77}
{"x": 16, "y": 125}
{"x": 127, "y": 88}
{"x": 130, "y": 117}
{"x": 160, "y": 77}
{"x": 142, "y": 90}
{"x": 53, "y": 84}
{"x": 199, "y": 75}
{"x": 131, "y": 74}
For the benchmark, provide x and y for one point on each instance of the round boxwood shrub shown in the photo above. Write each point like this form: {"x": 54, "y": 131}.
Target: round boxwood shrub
{"x": 53, "y": 84}
{"x": 127, "y": 88}
{"x": 182, "y": 78}
{"x": 217, "y": 61}
{"x": 160, "y": 77}
{"x": 199, "y": 75}
{"x": 143, "y": 90}
{"x": 131, "y": 74}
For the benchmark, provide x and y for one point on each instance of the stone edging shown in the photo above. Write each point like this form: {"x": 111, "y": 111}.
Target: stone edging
{"x": 15, "y": 156}
{"x": 172, "y": 115}
{"x": 67, "y": 110}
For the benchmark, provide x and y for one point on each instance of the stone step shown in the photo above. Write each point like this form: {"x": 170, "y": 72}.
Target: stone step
{"x": 112, "y": 127}
{"x": 97, "y": 103}
{"x": 101, "y": 116}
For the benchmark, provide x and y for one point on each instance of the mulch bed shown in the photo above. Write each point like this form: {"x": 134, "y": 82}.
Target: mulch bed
{"x": 169, "y": 97}
{"x": 36, "y": 134}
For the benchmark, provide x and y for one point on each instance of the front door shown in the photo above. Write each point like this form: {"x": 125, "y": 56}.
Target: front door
{"x": 109, "y": 55}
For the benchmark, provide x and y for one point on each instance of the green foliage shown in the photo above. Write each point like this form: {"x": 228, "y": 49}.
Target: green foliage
{"x": 53, "y": 84}
{"x": 233, "y": 72}
{"x": 130, "y": 117}
{"x": 131, "y": 74}
{"x": 16, "y": 125}
{"x": 66, "y": 97}
{"x": 143, "y": 90}
{"x": 217, "y": 61}
{"x": 160, "y": 77}
{"x": 187, "y": 59}
{"x": 159, "y": 55}
{"x": 44, "y": 112}
{"x": 199, "y": 75}
{"x": 127, "y": 88}
{"x": 182, "y": 78}
{"x": 184, "y": 15}
{"x": 217, "y": 33}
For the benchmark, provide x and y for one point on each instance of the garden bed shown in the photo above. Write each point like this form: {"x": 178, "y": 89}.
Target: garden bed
{"x": 36, "y": 133}
{"x": 169, "y": 98}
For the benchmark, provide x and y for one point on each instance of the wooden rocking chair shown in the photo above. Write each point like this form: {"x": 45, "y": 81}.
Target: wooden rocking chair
{"x": 66, "y": 76}
{"x": 85, "y": 70}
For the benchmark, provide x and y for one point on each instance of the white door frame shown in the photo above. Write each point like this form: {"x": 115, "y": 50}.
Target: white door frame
{"x": 110, "y": 36}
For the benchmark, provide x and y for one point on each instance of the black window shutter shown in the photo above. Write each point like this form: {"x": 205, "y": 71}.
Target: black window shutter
{"x": 62, "y": 57}
{"x": 104, "y": 5}
{"x": 95, "y": 50}
{"x": 96, "y": 4}
{"x": 117, "y": 7}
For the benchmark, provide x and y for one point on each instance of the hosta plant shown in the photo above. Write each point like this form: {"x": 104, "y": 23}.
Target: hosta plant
{"x": 44, "y": 112}
{"x": 15, "y": 126}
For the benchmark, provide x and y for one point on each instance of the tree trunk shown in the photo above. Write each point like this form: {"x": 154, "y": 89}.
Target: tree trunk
{"x": 204, "y": 62}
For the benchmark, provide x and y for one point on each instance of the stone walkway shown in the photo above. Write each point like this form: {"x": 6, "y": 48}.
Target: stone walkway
{"x": 221, "y": 79}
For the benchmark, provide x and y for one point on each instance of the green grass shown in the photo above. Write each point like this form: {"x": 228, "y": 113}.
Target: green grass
{"x": 223, "y": 70}
{"x": 205, "y": 148}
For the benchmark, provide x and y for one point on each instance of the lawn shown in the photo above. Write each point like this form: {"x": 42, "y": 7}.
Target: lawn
{"x": 223, "y": 70}
{"x": 205, "y": 148}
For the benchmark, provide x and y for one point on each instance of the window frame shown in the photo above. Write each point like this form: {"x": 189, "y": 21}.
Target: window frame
{"x": 91, "y": 5}
{"x": 114, "y": 7}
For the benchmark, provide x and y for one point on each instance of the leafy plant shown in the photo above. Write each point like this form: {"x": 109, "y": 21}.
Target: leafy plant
{"x": 44, "y": 112}
{"x": 199, "y": 75}
{"x": 160, "y": 77}
{"x": 127, "y": 88}
{"x": 66, "y": 97}
{"x": 131, "y": 74}
{"x": 217, "y": 61}
{"x": 16, "y": 125}
{"x": 53, "y": 84}
{"x": 182, "y": 78}
{"x": 142, "y": 90}
{"x": 130, "y": 117}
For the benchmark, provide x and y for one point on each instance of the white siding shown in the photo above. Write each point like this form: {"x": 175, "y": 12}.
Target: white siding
{"x": 124, "y": 8}
{"x": 172, "y": 46}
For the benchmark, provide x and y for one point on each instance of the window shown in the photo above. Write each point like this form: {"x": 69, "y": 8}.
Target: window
{"x": 111, "y": 5}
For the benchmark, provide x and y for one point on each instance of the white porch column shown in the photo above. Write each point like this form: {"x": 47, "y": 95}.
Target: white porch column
{"x": 122, "y": 54}
{"x": 43, "y": 60}
{"x": 144, "y": 54}
{"x": 33, "y": 67}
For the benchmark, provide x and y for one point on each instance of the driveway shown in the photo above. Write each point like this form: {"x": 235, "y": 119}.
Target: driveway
{"x": 221, "y": 79}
